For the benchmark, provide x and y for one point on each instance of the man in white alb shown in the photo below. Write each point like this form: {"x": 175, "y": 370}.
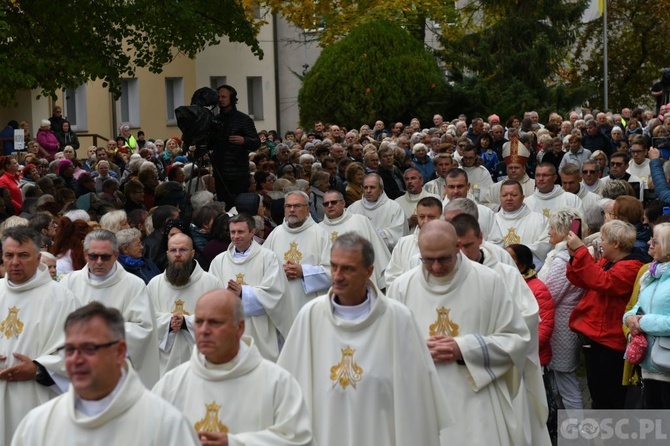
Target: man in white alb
{"x": 413, "y": 193}
{"x": 549, "y": 196}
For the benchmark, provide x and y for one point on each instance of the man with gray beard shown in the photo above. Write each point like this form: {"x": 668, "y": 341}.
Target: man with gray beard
{"x": 173, "y": 295}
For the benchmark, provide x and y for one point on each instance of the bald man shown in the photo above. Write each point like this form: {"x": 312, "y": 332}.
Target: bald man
{"x": 229, "y": 393}
{"x": 475, "y": 334}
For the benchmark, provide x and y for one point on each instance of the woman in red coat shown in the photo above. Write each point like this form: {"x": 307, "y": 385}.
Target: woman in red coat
{"x": 10, "y": 180}
{"x": 608, "y": 282}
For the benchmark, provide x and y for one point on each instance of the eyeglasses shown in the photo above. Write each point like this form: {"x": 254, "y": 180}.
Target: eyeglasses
{"x": 440, "y": 260}
{"x": 589, "y": 172}
{"x": 330, "y": 203}
{"x": 294, "y": 206}
{"x": 616, "y": 164}
{"x": 87, "y": 349}
{"x": 103, "y": 257}
{"x": 653, "y": 242}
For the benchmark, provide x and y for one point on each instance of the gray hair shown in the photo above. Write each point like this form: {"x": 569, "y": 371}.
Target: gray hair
{"x": 614, "y": 188}
{"x": 594, "y": 217}
{"x": 101, "y": 235}
{"x": 351, "y": 241}
{"x": 300, "y": 194}
{"x": 464, "y": 205}
{"x": 112, "y": 317}
{"x": 201, "y": 199}
{"x": 561, "y": 220}
{"x": 78, "y": 214}
{"x": 112, "y": 220}
{"x": 126, "y": 236}
{"x": 320, "y": 177}
{"x": 621, "y": 232}
{"x": 379, "y": 179}
{"x": 23, "y": 234}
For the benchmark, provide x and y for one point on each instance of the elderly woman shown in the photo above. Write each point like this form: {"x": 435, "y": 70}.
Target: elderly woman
{"x": 355, "y": 174}
{"x": 130, "y": 255}
{"x": 645, "y": 319}
{"x": 565, "y": 344}
{"x": 597, "y": 317}
{"x": 114, "y": 221}
{"x": 422, "y": 161}
{"x": 600, "y": 157}
{"x": 371, "y": 161}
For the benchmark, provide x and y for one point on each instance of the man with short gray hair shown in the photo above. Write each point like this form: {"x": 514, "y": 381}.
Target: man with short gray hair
{"x": 104, "y": 280}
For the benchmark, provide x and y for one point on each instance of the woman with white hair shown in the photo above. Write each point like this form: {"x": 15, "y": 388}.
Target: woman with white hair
{"x": 131, "y": 255}
{"x": 565, "y": 344}
{"x": 422, "y": 162}
{"x": 114, "y": 221}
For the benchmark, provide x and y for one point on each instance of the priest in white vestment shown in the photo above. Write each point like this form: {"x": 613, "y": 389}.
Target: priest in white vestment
{"x": 339, "y": 220}
{"x": 591, "y": 180}
{"x": 302, "y": 246}
{"x": 639, "y": 164}
{"x": 549, "y": 196}
{"x": 515, "y": 158}
{"x": 571, "y": 182}
{"x": 33, "y": 308}
{"x": 531, "y": 401}
{"x": 519, "y": 224}
{"x": 228, "y": 391}
{"x": 414, "y": 192}
{"x": 107, "y": 402}
{"x": 104, "y": 280}
{"x": 361, "y": 362}
{"x": 173, "y": 295}
{"x": 428, "y": 209}
{"x": 478, "y": 175}
{"x": 475, "y": 333}
{"x": 255, "y": 275}
{"x": 385, "y": 214}
{"x": 444, "y": 162}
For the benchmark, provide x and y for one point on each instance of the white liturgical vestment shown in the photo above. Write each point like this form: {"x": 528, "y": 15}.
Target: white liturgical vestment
{"x": 525, "y": 227}
{"x": 492, "y": 197}
{"x": 438, "y": 187}
{"x": 367, "y": 381}
{"x": 32, "y": 316}
{"x": 255, "y": 401}
{"x": 474, "y": 307}
{"x": 480, "y": 181}
{"x": 556, "y": 199}
{"x": 309, "y": 245}
{"x": 386, "y": 215}
{"x": 128, "y": 294}
{"x": 260, "y": 273}
{"x": 408, "y": 201}
{"x": 134, "y": 416}
{"x": 350, "y": 222}
{"x": 406, "y": 249}
{"x": 168, "y": 299}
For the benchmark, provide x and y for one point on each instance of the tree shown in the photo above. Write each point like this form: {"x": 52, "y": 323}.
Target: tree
{"x": 509, "y": 56}
{"x": 48, "y": 45}
{"x": 636, "y": 52}
{"x": 334, "y": 19}
{"x": 378, "y": 71}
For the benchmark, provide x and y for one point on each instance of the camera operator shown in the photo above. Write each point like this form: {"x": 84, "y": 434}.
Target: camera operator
{"x": 234, "y": 137}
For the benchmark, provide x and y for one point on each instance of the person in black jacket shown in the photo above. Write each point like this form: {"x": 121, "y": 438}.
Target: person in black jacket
{"x": 234, "y": 138}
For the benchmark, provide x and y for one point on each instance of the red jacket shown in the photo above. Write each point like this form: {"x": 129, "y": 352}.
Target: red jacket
{"x": 546, "y": 328}
{"x": 608, "y": 288}
{"x": 11, "y": 182}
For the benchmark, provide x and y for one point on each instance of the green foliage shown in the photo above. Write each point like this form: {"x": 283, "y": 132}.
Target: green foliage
{"x": 636, "y": 52}
{"x": 509, "y": 56}
{"x": 49, "y": 45}
{"x": 379, "y": 71}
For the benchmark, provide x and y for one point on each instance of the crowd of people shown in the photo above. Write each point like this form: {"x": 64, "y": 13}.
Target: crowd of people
{"x": 263, "y": 295}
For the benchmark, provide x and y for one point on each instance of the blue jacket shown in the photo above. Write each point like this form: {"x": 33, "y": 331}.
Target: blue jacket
{"x": 660, "y": 184}
{"x": 654, "y": 299}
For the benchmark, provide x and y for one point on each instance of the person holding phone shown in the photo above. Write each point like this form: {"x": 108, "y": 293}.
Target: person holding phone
{"x": 597, "y": 317}
{"x": 565, "y": 344}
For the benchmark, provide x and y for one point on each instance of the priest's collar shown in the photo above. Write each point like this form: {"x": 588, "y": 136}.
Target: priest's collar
{"x": 11, "y": 284}
{"x": 240, "y": 255}
{"x": 513, "y": 214}
{"x": 446, "y": 280}
{"x": 241, "y": 353}
{"x": 353, "y": 312}
{"x": 91, "y": 408}
{"x": 94, "y": 278}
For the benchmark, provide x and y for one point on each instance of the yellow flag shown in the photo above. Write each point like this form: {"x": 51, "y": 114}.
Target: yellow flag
{"x": 601, "y": 7}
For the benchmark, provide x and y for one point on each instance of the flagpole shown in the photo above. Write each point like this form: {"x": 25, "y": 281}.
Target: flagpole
{"x": 606, "y": 92}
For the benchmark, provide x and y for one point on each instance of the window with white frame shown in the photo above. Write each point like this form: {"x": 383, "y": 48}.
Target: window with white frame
{"x": 74, "y": 107}
{"x": 216, "y": 81}
{"x": 129, "y": 102}
{"x": 174, "y": 97}
{"x": 255, "y": 97}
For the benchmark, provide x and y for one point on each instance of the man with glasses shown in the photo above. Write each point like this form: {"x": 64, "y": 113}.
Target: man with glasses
{"x": 107, "y": 400}
{"x": 470, "y": 322}
{"x": 338, "y": 220}
{"x": 104, "y": 280}
{"x": 548, "y": 195}
{"x": 591, "y": 177}
{"x": 33, "y": 309}
{"x": 619, "y": 171}
{"x": 303, "y": 247}
{"x": 255, "y": 276}
{"x": 173, "y": 295}
{"x": 571, "y": 181}
{"x": 640, "y": 165}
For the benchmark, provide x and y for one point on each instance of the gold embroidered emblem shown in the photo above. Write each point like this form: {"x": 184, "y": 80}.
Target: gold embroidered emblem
{"x": 347, "y": 371}
{"x": 443, "y": 326}
{"x": 12, "y": 326}
{"x": 239, "y": 278}
{"x": 511, "y": 238}
{"x": 545, "y": 212}
{"x": 211, "y": 422}
{"x": 333, "y": 236}
{"x": 179, "y": 308}
{"x": 293, "y": 255}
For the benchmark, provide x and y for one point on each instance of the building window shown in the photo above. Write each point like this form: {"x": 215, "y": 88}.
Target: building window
{"x": 255, "y": 97}
{"x": 74, "y": 107}
{"x": 174, "y": 97}
{"x": 216, "y": 81}
{"x": 129, "y": 102}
